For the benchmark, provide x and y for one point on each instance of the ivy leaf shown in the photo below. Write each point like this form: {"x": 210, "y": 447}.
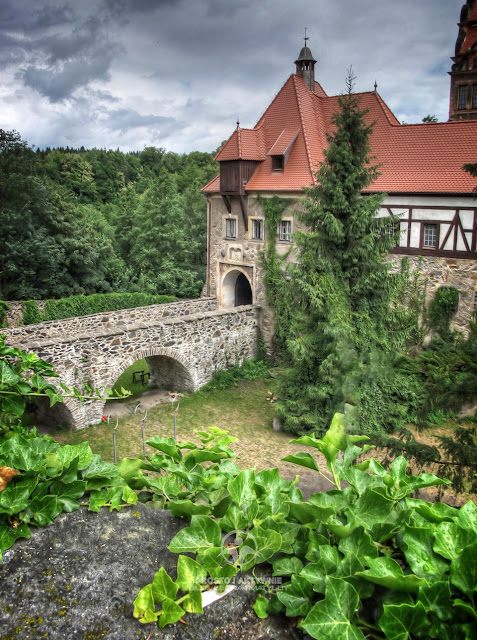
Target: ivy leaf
{"x": 315, "y": 575}
{"x": 163, "y": 586}
{"x": 144, "y": 605}
{"x": 13, "y": 404}
{"x": 187, "y": 508}
{"x": 193, "y": 602}
{"x": 463, "y": 570}
{"x": 303, "y": 459}
{"x": 215, "y": 561}
{"x": 8, "y": 534}
{"x": 433, "y": 512}
{"x": 399, "y": 621}
{"x": 202, "y": 533}
{"x": 260, "y": 606}
{"x": 388, "y": 573}
{"x": 372, "y": 507}
{"x": 237, "y": 519}
{"x": 8, "y": 377}
{"x": 68, "y": 494}
{"x": 167, "y": 446}
{"x": 332, "y": 617}
{"x": 437, "y": 599}
{"x": 451, "y": 539}
{"x": 82, "y": 451}
{"x": 190, "y": 573}
{"x": 419, "y": 554}
{"x": 307, "y": 513}
{"x": 297, "y": 597}
{"x": 287, "y": 530}
{"x": 14, "y": 499}
{"x": 287, "y": 566}
{"x": 271, "y": 482}
{"x": 260, "y": 545}
{"x": 45, "y": 509}
{"x": 241, "y": 488}
{"x": 171, "y": 612}
{"x": 468, "y": 516}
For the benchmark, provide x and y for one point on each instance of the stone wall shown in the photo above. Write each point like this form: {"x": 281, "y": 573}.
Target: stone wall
{"x": 451, "y": 272}
{"x": 106, "y": 320}
{"x": 186, "y": 349}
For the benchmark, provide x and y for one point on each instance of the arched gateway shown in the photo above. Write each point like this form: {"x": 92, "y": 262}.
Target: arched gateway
{"x": 236, "y": 289}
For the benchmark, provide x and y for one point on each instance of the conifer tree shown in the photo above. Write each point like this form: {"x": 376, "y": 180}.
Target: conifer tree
{"x": 342, "y": 292}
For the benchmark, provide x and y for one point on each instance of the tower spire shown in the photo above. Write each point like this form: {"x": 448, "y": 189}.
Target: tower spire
{"x": 305, "y": 65}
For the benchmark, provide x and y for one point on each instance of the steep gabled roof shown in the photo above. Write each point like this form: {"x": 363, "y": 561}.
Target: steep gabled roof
{"x": 421, "y": 158}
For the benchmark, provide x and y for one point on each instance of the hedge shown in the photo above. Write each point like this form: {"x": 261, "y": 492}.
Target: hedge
{"x": 85, "y": 305}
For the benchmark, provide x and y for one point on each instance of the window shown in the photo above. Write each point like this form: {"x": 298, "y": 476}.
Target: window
{"x": 474, "y": 96}
{"x": 392, "y": 229}
{"x": 230, "y": 228}
{"x": 257, "y": 229}
{"x": 277, "y": 163}
{"x": 462, "y": 99}
{"x": 430, "y": 235}
{"x": 285, "y": 230}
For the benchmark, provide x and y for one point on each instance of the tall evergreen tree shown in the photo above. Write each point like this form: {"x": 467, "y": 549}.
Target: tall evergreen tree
{"x": 343, "y": 293}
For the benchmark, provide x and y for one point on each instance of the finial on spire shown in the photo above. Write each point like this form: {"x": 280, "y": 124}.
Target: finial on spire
{"x": 305, "y": 38}
{"x": 375, "y": 86}
{"x": 238, "y": 122}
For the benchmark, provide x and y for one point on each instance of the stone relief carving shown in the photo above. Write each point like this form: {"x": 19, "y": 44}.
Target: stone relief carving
{"x": 235, "y": 253}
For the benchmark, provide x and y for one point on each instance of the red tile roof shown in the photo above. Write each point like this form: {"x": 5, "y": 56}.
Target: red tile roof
{"x": 421, "y": 158}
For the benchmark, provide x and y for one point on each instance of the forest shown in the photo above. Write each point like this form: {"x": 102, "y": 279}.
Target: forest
{"x": 84, "y": 221}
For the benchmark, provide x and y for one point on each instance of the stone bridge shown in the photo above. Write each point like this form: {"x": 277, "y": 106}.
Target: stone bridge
{"x": 183, "y": 342}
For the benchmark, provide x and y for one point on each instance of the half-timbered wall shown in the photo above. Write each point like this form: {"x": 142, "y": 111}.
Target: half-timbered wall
{"x": 450, "y": 224}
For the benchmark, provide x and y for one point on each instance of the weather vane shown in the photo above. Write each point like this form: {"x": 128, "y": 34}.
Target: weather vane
{"x": 306, "y": 37}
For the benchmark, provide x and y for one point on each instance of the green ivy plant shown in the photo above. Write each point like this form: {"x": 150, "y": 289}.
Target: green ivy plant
{"x": 24, "y": 376}
{"x": 50, "y": 479}
{"x": 365, "y": 560}
{"x": 39, "y": 478}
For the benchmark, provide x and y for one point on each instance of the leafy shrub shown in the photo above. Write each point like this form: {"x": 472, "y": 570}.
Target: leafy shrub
{"x": 248, "y": 370}
{"x": 31, "y": 312}
{"x": 85, "y": 305}
{"x": 3, "y": 312}
{"x": 442, "y": 309}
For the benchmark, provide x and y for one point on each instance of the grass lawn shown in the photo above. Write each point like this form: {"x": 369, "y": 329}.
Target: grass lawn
{"x": 125, "y": 380}
{"x": 243, "y": 411}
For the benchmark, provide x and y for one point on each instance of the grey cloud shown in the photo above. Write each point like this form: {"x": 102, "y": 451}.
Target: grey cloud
{"x": 59, "y": 82}
{"x": 18, "y": 15}
{"x": 126, "y": 119}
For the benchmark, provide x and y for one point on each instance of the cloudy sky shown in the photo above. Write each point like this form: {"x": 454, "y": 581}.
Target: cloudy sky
{"x": 177, "y": 73}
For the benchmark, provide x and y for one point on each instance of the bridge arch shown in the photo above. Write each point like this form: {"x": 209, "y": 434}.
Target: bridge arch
{"x": 157, "y": 358}
{"x": 236, "y": 288}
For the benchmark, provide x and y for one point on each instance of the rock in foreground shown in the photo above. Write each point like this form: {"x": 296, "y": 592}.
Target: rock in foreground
{"x": 76, "y": 579}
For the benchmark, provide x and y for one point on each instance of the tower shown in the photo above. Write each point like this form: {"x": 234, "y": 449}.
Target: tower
{"x": 463, "y": 89}
{"x": 305, "y": 66}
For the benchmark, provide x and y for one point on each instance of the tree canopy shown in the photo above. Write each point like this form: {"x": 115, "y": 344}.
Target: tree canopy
{"x": 91, "y": 221}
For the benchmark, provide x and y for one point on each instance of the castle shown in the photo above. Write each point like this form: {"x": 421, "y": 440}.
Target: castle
{"x": 420, "y": 173}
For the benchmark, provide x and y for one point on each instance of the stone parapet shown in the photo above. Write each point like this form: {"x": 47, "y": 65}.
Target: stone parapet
{"x": 104, "y": 321}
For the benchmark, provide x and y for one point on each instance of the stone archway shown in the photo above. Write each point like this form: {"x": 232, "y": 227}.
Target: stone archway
{"x": 236, "y": 289}
{"x": 52, "y": 418}
{"x": 169, "y": 373}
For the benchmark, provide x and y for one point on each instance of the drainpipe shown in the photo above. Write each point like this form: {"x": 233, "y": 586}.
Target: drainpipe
{"x": 208, "y": 244}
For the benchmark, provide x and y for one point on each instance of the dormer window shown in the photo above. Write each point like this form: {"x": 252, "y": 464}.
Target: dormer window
{"x": 278, "y": 163}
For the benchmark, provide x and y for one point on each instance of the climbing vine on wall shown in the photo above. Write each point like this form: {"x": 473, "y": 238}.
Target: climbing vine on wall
{"x": 275, "y": 279}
